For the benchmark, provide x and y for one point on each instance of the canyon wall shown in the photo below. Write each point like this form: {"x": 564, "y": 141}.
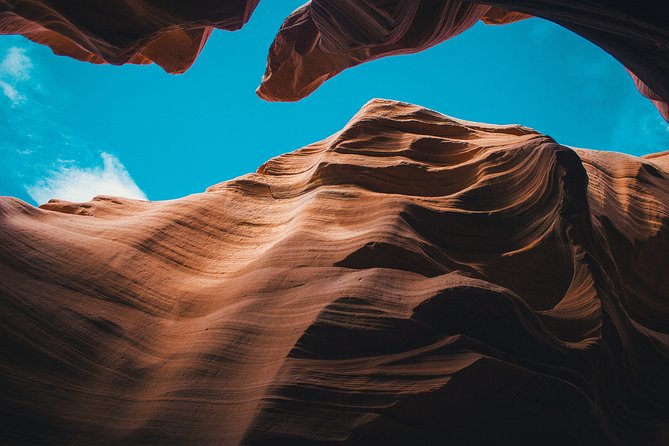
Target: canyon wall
{"x": 413, "y": 279}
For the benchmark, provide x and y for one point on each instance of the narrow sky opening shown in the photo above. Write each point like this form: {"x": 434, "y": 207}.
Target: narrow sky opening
{"x": 177, "y": 135}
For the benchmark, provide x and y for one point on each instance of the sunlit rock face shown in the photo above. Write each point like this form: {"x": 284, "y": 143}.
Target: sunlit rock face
{"x": 413, "y": 279}
{"x": 325, "y": 37}
{"x": 170, "y": 33}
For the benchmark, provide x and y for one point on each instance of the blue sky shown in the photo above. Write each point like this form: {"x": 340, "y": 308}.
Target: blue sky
{"x": 73, "y": 130}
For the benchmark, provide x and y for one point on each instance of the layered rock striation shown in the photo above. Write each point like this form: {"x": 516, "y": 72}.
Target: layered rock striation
{"x": 413, "y": 279}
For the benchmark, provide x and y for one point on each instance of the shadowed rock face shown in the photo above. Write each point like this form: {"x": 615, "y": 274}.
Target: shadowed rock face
{"x": 170, "y": 33}
{"x": 413, "y": 279}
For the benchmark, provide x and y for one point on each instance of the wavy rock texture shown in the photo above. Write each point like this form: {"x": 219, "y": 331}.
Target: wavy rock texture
{"x": 413, "y": 279}
{"x": 325, "y": 37}
{"x": 170, "y": 33}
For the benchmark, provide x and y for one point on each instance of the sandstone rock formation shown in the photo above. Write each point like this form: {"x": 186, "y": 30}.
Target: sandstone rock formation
{"x": 413, "y": 279}
{"x": 325, "y": 37}
{"x": 170, "y": 33}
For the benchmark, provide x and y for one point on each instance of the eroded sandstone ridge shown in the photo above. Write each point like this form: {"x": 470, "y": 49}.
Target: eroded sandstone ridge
{"x": 413, "y": 279}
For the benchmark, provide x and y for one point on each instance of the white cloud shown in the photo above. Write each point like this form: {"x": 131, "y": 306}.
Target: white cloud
{"x": 15, "y": 68}
{"x": 16, "y": 64}
{"x": 12, "y": 93}
{"x": 83, "y": 184}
